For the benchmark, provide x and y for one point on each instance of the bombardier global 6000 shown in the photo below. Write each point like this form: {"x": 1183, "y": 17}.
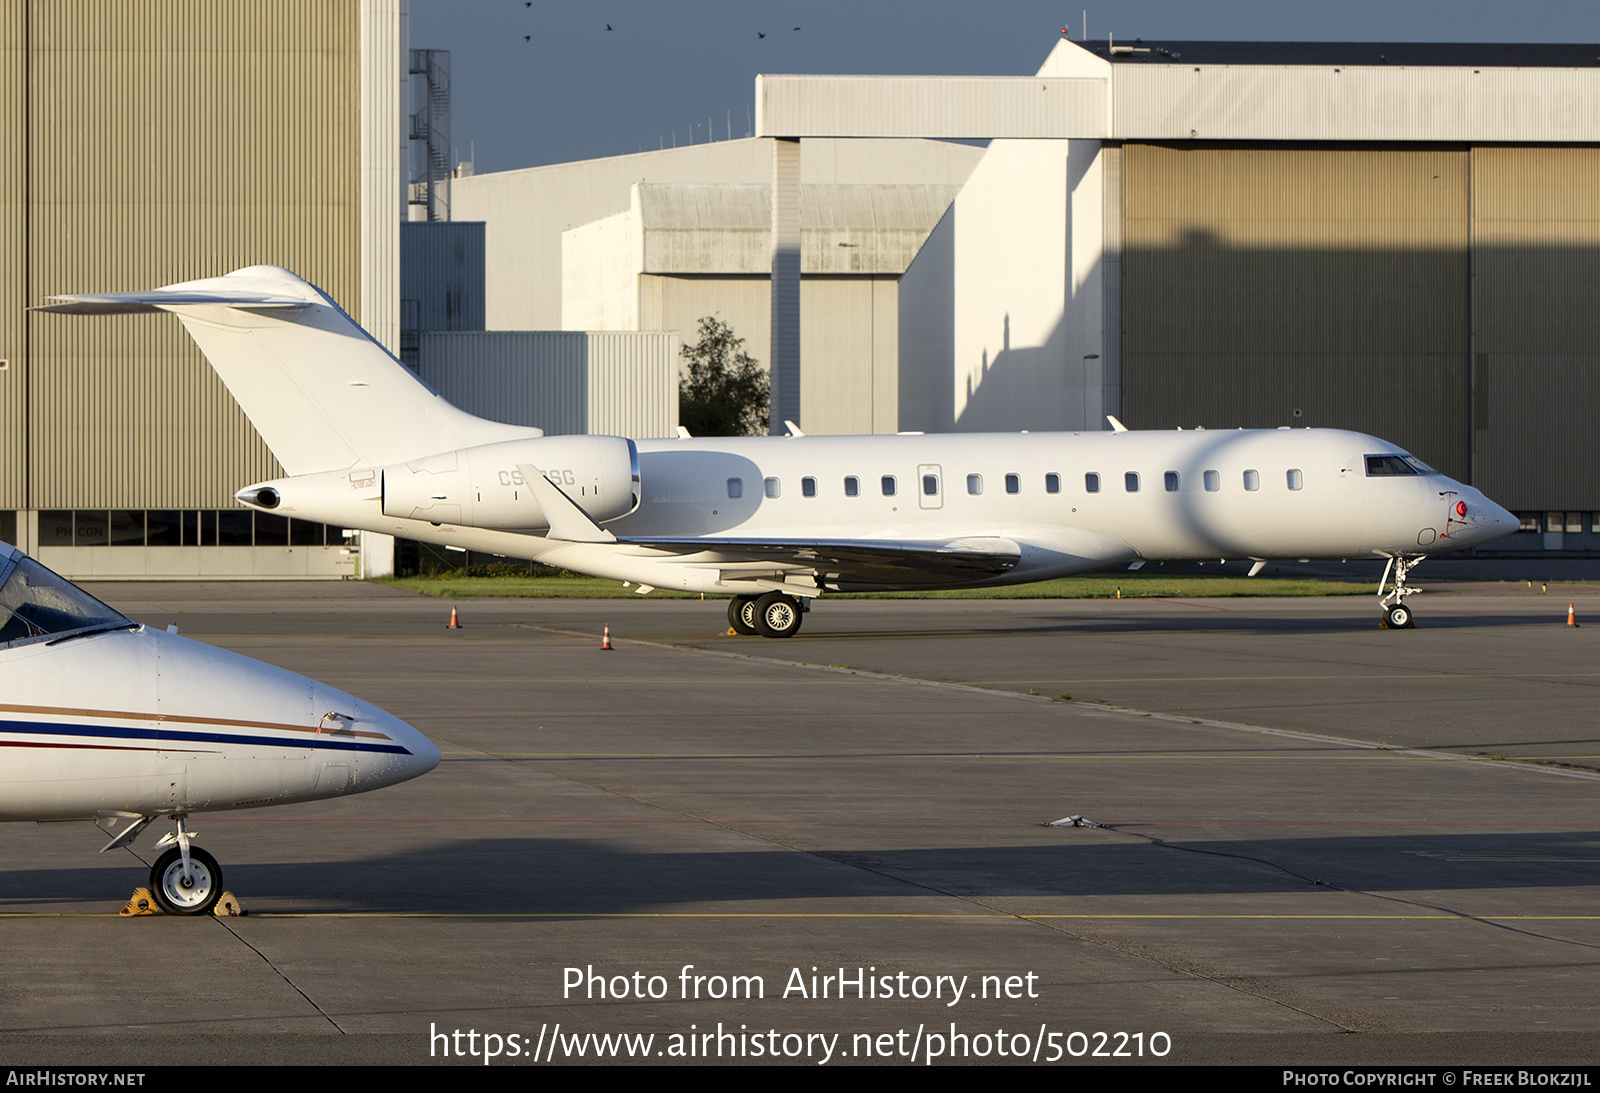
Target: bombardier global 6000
{"x": 775, "y": 522}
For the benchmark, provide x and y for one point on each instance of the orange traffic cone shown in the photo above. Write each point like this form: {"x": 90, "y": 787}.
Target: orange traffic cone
{"x": 605, "y": 639}
{"x": 1572, "y": 616}
{"x": 455, "y": 623}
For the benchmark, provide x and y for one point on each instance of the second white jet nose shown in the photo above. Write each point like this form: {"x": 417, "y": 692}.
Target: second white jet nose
{"x": 1484, "y": 520}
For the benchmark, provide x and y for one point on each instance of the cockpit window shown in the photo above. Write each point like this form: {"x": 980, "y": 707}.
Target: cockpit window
{"x": 35, "y": 604}
{"x": 1422, "y": 468}
{"x": 1379, "y": 466}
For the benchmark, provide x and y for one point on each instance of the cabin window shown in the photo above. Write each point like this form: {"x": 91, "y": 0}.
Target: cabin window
{"x": 772, "y": 487}
{"x": 1296, "y": 480}
{"x": 1013, "y": 483}
{"x": 1130, "y": 481}
{"x": 1091, "y": 483}
{"x": 930, "y": 485}
{"x": 1170, "y": 480}
{"x": 735, "y": 487}
{"x": 1213, "y": 481}
{"x": 808, "y": 487}
{"x": 1252, "y": 480}
{"x": 1052, "y": 483}
{"x": 888, "y": 485}
{"x": 852, "y": 486}
{"x": 974, "y": 484}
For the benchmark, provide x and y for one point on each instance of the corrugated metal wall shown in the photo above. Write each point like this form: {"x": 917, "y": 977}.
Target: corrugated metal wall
{"x": 1333, "y": 281}
{"x": 441, "y": 275}
{"x": 164, "y": 141}
{"x": 15, "y": 435}
{"x": 613, "y": 383}
{"x": 1536, "y": 310}
{"x": 633, "y": 383}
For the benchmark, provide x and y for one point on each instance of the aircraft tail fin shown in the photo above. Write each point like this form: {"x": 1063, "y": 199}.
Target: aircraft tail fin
{"x": 319, "y": 389}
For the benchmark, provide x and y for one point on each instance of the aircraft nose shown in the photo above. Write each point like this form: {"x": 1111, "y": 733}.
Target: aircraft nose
{"x": 1486, "y": 520}
{"x": 1505, "y": 521}
{"x": 424, "y": 753}
{"x": 419, "y": 756}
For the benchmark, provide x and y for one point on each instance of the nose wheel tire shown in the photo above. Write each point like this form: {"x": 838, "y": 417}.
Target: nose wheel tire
{"x": 777, "y": 615}
{"x": 175, "y": 897}
{"x": 1398, "y": 617}
{"x": 742, "y": 615}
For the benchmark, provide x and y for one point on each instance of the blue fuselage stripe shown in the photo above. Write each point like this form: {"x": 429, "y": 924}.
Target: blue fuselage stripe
{"x": 178, "y": 740}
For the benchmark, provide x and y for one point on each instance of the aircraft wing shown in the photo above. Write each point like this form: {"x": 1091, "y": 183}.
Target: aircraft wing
{"x": 807, "y": 566}
{"x": 846, "y": 565}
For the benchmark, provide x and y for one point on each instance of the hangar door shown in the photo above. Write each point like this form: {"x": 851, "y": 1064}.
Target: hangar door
{"x": 1298, "y": 285}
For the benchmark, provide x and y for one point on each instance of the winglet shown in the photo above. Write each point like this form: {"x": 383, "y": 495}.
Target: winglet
{"x": 568, "y": 522}
{"x": 1116, "y": 426}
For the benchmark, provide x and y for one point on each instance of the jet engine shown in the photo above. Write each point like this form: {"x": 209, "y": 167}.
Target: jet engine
{"x": 482, "y": 487}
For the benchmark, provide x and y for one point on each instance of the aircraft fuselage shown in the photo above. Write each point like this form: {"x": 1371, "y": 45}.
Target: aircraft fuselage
{"x": 1070, "y": 502}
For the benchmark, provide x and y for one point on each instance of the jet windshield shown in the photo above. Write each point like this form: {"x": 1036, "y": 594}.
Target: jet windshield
{"x": 1382, "y": 466}
{"x": 36, "y": 604}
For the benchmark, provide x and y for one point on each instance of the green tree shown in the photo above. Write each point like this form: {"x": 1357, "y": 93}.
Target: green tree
{"x": 725, "y": 392}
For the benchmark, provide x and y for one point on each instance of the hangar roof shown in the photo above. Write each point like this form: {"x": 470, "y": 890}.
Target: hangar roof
{"x": 1410, "y": 54}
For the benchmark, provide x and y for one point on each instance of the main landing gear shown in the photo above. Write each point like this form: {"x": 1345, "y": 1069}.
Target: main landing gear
{"x": 185, "y": 880}
{"x": 1396, "y": 615}
{"x": 775, "y": 615}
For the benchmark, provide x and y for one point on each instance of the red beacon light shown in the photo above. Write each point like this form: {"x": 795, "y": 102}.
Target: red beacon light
{"x": 1461, "y": 508}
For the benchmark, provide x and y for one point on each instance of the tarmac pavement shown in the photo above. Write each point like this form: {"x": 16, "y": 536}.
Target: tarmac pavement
{"x": 1301, "y": 851}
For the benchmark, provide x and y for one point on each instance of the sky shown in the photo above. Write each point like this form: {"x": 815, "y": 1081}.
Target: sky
{"x": 537, "y": 81}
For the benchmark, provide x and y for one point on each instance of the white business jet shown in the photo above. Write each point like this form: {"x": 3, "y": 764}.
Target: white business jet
{"x": 104, "y": 719}
{"x": 775, "y": 522}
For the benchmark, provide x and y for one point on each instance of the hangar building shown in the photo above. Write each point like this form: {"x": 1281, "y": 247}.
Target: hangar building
{"x": 154, "y": 143}
{"x": 1399, "y": 239}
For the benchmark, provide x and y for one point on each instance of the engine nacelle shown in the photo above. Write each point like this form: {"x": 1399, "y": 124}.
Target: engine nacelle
{"x": 481, "y": 487}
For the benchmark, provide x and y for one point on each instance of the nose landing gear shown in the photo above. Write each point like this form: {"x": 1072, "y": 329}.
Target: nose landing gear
{"x": 185, "y": 880}
{"x": 1396, "y": 615}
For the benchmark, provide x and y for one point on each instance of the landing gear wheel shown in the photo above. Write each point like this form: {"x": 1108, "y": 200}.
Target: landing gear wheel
{"x": 1398, "y": 617}
{"x": 176, "y": 898}
{"x": 777, "y": 616}
{"x": 742, "y": 615}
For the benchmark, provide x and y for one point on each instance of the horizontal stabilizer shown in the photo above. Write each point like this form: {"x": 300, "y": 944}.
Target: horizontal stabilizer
{"x": 319, "y": 389}
{"x": 128, "y": 303}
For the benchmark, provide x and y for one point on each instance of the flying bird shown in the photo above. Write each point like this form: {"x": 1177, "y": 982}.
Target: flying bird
{"x": 760, "y": 35}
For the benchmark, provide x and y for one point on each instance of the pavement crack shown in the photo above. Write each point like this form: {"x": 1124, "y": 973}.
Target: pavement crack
{"x": 264, "y": 958}
{"x": 279, "y": 973}
{"x": 1464, "y": 915}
